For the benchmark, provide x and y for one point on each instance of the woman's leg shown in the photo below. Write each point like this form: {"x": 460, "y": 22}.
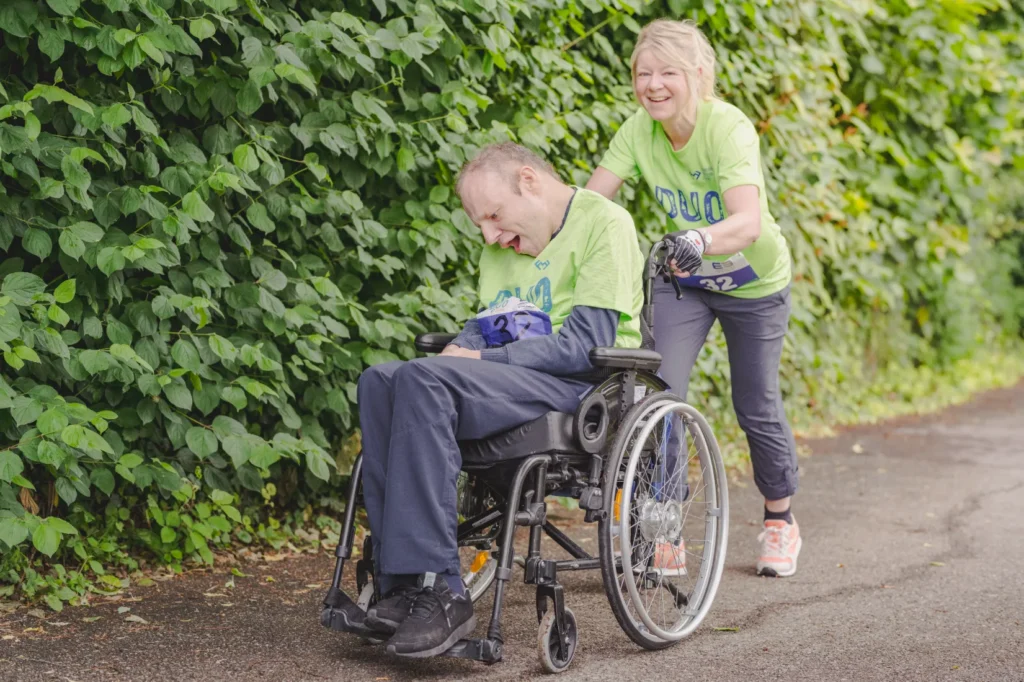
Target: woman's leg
{"x": 754, "y": 331}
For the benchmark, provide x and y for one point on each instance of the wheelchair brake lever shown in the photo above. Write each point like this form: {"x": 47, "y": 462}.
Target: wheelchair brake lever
{"x": 678, "y": 288}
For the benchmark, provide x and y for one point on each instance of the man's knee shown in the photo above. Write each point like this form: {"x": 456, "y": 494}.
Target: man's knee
{"x": 422, "y": 371}
{"x": 375, "y": 379}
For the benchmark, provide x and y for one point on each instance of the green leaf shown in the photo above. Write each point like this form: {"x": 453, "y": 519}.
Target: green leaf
{"x": 71, "y": 244}
{"x": 103, "y": 479}
{"x": 176, "y": 180}
{"x": 26, "y": 353}
{"x": 186, "y": 355}
{"x": 64, "y": 7}
{"x": 318, "y": 464}
{"x": 143, "y": 122}
{"x": 51, "y": 453}
{"x": 88, "y": 232}
{"x": 167, "y": 534}
{"x": 146, "y": 45}
{"x": 202, "y": 28}
{"x": 178, "y": 395}
{"x": 223, "y": 348}
{"x": 52, "y": 421}
{"x": 249, "y": 98}
{"x": 46, "y": 539}
{"x": 65, "y": 291}
{"x": 110, "y": 260}
{"x": 274, "y": 280}
{"x": 245, "y": 158}
{"x": 18, "y": 18}
{"x": 32, "y": 125}
{"x": 57, "y": 314}
{"x": 406, "y": 159}
{"x": 130, "y": 460}
{"x": 37, "y": 242}
{"x": 235, "y": 396}
{"x": 12, "y": 531}
{"x": 201, "y": 441}
{"x": 196, "y": 208}
{"x": 10, "y": 466}
{"x": 116, "y": 115}
{"x": 22, "y": 287}
{"x": 25, "y": 410}
{"x": 257, "y": 216}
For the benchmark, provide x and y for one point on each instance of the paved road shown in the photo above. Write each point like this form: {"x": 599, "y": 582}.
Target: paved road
{"x": 911, "y": 570}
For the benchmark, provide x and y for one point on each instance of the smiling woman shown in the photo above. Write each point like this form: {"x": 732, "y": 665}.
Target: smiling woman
{"x": 701, "y": 158}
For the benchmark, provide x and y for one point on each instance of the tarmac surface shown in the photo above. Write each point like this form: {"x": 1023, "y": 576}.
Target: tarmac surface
{"x": 912, "y": 569}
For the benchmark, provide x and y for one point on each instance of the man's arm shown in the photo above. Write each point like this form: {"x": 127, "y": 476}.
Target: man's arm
{"x": 469, "y": 338}
{"x": 566, "y": 353}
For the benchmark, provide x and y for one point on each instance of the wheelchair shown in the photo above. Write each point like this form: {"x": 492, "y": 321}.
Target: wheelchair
{"x": 643, "y": 464}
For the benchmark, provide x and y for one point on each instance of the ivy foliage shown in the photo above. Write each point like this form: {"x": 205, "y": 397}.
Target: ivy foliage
{"x": 215, "y": 213}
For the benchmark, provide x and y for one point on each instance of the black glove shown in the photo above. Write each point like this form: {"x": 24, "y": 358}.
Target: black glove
{"x": 686, "y": 248}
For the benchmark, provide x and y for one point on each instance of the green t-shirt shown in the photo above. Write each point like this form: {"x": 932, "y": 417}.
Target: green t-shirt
{"x": 594, "y": 260}
{"x": 723, "y": 152}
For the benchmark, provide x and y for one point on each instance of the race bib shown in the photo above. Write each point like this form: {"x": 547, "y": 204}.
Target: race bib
{"x": 724, "y": 275}
{"x": 512, "y": 320}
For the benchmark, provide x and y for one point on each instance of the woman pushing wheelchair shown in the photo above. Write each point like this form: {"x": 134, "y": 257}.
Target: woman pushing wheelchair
{"x": 700, "y": 156}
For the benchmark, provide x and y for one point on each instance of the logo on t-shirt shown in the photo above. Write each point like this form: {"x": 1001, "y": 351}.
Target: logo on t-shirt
{"x": 689, "y": 205}
{"x": 539, "y": 295}
{"x": 541, "y": 264}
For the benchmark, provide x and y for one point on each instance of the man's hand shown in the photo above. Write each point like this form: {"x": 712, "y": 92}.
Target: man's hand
{"x": 454, "y": 351}
{"x": 686, "y": 251}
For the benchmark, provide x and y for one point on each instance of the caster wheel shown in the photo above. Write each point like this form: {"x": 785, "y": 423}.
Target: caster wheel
{"x": 547, "y": 642}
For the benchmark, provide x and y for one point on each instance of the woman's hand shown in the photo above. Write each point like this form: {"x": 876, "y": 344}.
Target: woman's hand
{"x": 686, "y": 252}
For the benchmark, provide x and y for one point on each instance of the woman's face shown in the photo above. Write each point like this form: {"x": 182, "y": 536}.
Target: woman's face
{"x": 660, "y": 87}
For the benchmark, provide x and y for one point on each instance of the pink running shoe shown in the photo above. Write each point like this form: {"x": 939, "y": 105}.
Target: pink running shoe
{"x": 780, "y": 546}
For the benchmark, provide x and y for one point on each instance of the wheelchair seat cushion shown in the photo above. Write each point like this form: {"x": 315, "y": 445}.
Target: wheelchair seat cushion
{"x": 551, "y": 433}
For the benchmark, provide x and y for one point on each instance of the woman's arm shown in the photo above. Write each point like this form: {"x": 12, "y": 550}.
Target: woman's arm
{"x": 603, "y": 181}
{"x": 742, "y": 227}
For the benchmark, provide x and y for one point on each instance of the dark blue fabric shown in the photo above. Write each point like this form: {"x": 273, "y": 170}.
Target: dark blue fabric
{"x": 412, "y": 414}
{"x": 566, "y": 353}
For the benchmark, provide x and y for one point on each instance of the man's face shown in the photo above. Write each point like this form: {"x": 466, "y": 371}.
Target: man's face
{"x": 515, "y": 221}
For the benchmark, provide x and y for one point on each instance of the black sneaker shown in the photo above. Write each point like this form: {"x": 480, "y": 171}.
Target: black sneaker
{"x": 387, "y": 614}
{"x": 342, "y": 614}
{"x": 437, "y": 620}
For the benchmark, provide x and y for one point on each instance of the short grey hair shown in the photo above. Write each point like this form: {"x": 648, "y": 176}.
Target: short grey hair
{"x": 505, "y": 158}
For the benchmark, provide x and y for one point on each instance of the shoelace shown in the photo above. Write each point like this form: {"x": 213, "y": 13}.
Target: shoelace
{"x": 426, "y": 603}
{"x": 777, "y": 538}
{"x": 407, "y": 594}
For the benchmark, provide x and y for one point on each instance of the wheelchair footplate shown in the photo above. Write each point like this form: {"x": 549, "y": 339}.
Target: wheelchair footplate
{"x": 485, "y": 650}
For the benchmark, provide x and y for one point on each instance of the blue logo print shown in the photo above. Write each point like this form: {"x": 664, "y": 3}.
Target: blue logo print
{"x": 696, "y": 175}
{"x": 541, "y": 264}
{"x": 539, "y": 295}
{"x": 688, "y": 205}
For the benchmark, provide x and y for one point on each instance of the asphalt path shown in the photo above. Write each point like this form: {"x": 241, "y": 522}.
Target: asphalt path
{"x": 912, "y": 569}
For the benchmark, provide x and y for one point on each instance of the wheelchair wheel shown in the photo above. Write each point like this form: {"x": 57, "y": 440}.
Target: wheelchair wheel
{"x": 664, "y": 537}
{"x": 548, "y": 645}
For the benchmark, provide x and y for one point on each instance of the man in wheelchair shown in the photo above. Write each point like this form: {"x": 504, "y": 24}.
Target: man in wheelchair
{"x": 561, "y": 274}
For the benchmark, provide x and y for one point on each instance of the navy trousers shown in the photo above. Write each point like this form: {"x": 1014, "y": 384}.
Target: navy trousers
{"x": 754, "y": 333}
{"x": 412, "y": 415}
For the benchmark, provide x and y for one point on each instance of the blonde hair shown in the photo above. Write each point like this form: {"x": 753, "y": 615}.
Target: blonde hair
{"x": 506, "y": 158}
{"x": 683, "y": 45}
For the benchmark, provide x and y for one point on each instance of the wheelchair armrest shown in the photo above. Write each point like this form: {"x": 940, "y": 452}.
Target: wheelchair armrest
{"x": 434, "y": 342}
{"x": 626, "y": 358}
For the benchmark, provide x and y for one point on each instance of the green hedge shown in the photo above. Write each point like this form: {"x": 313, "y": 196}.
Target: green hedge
{"x": 215, "y": 213}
